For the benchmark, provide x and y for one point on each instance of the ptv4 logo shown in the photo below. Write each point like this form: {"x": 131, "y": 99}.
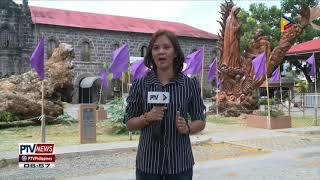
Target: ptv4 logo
{"x": 33, "y": 148}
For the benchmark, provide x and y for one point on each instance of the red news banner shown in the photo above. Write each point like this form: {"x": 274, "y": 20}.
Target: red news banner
{"x": 32, "y": 155}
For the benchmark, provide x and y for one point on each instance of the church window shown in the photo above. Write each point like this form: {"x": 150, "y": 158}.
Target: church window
{"x": 85, "y": 52}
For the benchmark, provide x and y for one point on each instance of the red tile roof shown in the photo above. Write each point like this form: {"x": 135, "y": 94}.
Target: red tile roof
{"x": 305, "y": 47}
{"x": 87, "y": 20}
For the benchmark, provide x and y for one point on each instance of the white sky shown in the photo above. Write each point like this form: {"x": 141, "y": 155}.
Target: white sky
{"x": 200, "y": 14}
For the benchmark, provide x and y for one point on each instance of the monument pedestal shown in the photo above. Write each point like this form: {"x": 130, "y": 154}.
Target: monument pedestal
{"x": 101, "y": 113}
{"x": 87, "y": 123}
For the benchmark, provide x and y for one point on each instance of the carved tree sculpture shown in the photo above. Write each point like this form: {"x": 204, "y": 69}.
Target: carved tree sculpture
{"x": 21, "y": 94}
{"x": 236, "y": 71}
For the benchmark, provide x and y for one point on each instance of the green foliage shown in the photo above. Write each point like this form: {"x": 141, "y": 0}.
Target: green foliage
{"x": 274, "y": 112}
{"x": 115, "y": 109}
{"x": 301, "y": 86}
{"x": 222, "y": 119}
{"x": 259, "y": 16}
{"x": 291, "y": 8}
{"x": 265, "y": 101}
{"x": 65, "y": 119}
{"x": 8, "y": 117}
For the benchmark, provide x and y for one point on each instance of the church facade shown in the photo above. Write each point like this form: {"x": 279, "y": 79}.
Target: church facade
{"x": 93, "y": 36}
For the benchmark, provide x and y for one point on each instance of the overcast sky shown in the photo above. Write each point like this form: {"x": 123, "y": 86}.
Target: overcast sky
{"x": 199, "y": 14}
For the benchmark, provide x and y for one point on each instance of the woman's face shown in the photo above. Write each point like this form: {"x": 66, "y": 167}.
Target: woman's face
{"x": 163, "y": 53}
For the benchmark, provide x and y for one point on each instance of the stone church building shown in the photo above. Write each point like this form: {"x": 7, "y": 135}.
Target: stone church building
{"x": 93, "y": 36}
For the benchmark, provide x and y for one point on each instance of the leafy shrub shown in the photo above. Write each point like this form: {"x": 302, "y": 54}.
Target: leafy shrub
{"x": 116, "y": 110}
{"x": 265, "y": 101}
{"x": 8, "y": 117}
{"x": 65, "y": 119}
{"x": 273, "y": 113}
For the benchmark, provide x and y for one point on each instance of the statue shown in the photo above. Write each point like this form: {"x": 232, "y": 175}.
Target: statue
{"x": 236, "y": 73}
{"x": 231, "y": 45}
{"x": 21, "y": 94}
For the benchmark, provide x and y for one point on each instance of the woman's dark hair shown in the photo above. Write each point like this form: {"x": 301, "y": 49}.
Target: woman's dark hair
{"x": 178, "y": 61}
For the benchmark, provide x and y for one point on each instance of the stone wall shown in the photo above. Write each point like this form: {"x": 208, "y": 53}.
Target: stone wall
{"x": 97, "y": 45}
{"x": 102, "y": 44}
{"x": 16, "y": 38}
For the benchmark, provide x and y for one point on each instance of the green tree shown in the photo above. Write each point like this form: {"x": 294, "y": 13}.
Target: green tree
{"x": 291, "y": 8}
{"x": 259, "y": 16}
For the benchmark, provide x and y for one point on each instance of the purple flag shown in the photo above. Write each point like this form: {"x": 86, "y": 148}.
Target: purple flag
{"x": 104, "y": 80}
{"x": 194, "y": 62}
{"x": 275, "y": 75}
{"x": 37, "y": 59}
{"x": 138, "y": 69}
{"x": 259, "y": 65}
{"x": 212, "y": 69}
{"x": 120, "y": 59}
{"x": 117, "y": 75}
{"x": 311, "y": 62}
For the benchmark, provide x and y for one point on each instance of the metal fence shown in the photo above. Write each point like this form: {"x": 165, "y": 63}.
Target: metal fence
{"x": 311, "y": 100}
{"x": 300, "y": 106}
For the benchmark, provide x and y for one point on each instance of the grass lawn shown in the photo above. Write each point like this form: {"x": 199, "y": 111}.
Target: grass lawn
{"x": 224, "y": 120}
{"x": 60, "y": 134}
{"x": 303, "y": 121}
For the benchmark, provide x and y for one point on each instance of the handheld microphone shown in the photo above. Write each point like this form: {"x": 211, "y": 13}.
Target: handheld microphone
{"x": 159, "y": 98}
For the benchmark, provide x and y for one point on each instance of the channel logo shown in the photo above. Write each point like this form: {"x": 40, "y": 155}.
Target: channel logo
{"x": 32, "y": 155}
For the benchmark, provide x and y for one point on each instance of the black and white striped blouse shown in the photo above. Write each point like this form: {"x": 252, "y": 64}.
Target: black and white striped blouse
{"x": 173, "y": 153}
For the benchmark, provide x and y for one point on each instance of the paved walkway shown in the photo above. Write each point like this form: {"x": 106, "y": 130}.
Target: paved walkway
{"x": 297, "y": 165}
{"x": 294, "y": 156}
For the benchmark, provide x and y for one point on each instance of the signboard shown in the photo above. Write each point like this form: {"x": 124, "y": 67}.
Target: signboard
{"x": 87, "y": 120}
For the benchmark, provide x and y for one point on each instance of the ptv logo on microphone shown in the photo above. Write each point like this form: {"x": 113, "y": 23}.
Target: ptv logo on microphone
{"x": 158, "y": 97}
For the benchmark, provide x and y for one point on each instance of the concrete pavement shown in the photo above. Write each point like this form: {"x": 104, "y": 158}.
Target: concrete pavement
{"x": 293, "y": 156}
{"x": 302, "y": 164}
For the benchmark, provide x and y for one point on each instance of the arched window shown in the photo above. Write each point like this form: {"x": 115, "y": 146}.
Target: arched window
{"x": 143, "y": 51}
{"x": 4, "y": 37}
{"x": 85, "y": 51}
{"x": 51, "y": 46}
{"x": 115, "y": 46}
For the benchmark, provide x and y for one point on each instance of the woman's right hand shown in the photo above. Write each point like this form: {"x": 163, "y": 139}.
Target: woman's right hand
{"x": 156, "y": 114}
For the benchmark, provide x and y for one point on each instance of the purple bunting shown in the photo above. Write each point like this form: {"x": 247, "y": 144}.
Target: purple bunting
{"x": 138, "y": 69}
{"x": 212, "y": 69}
{"x": 120, "y": 60}
{"x": 117, "y": 75}
{"x": 194, "y": 62}
{"x": 104, "y": 80}
{"x": 37, "y": 59}
{"x": 311, "y": 62}
{"x": 259, "y": 65}
{"x": 275, "y": 75}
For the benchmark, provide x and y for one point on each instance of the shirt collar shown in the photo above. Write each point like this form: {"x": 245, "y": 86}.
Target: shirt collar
{"x": 152, "y": 78}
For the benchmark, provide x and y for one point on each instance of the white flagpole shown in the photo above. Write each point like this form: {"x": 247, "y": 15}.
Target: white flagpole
{"x": 202, "y": 66}
{"x": 99, "y": 103}
{"x": 267, "y": 86}
{"x": 281, "y": 101}
{"x": 129, "y": 80}
{"x": 315, "y": 93}
{"x": 217, "y": 87}
{"x": 43, "y": 119}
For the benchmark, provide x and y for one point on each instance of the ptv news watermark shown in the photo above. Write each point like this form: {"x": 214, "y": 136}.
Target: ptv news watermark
{"x": 33, "y": 155}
